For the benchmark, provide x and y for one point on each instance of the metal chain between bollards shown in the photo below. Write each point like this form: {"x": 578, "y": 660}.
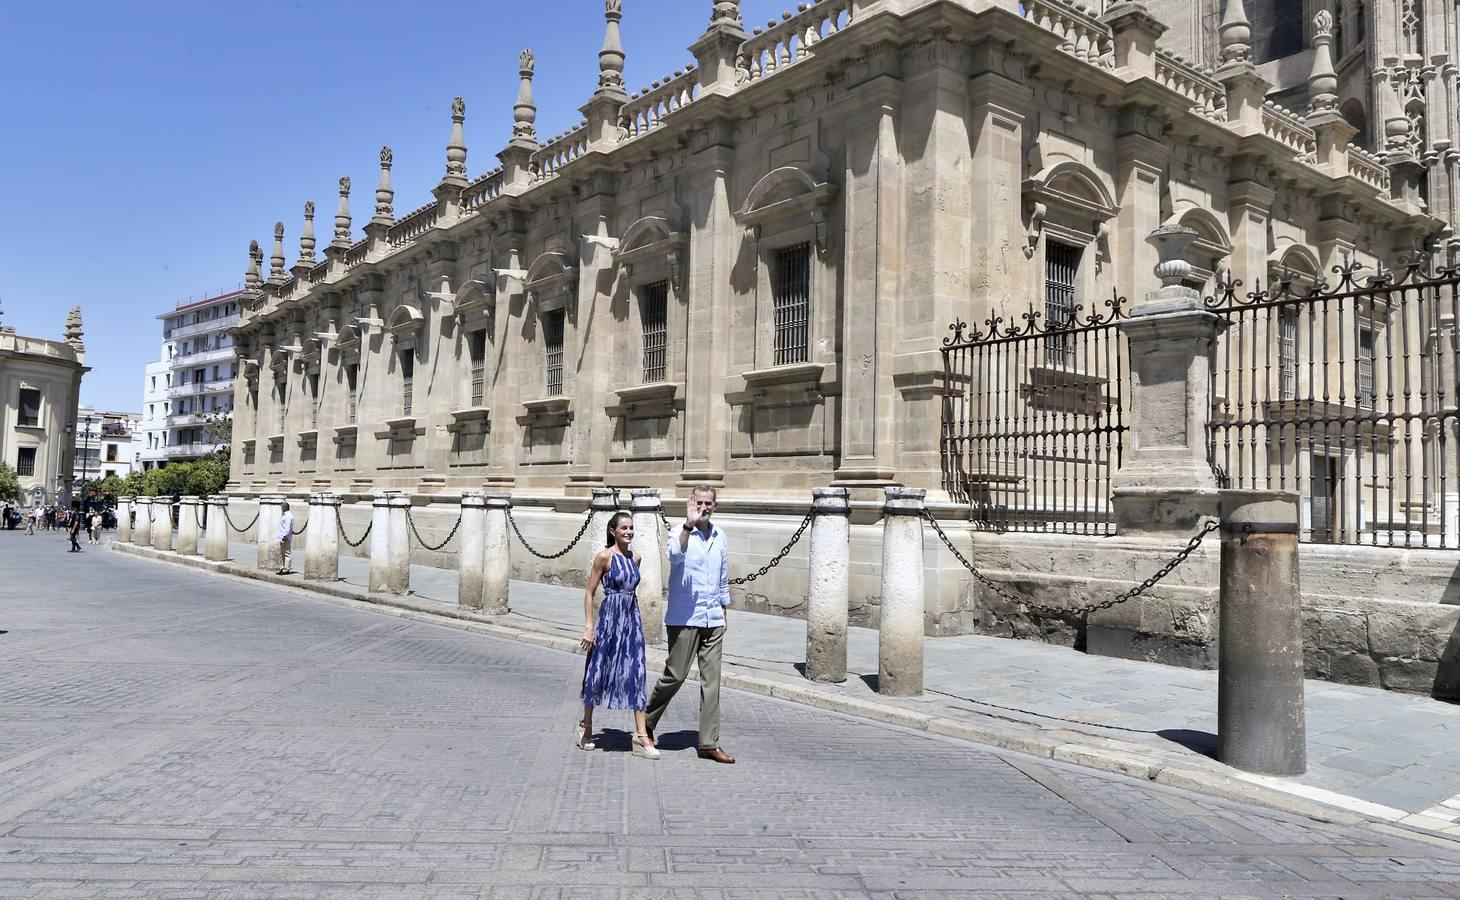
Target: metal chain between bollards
{"x": 301, "y": 529}
{"x": 340, "y": 524}
{"x": 1131, "y": 594}
{"x": 412, "y": 522}
{"x": 776, "y": 560}
{"x": 245, "y": 529}
{"x": 563, "y": 552}
{"x": 198, "y": 515}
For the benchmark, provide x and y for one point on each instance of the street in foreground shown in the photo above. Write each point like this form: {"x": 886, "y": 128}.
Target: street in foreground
{"x": 172, "y": 734}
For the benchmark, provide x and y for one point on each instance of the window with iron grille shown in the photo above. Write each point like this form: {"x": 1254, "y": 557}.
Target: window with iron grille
{"x": 30, "y": 408}
{"x": 552, "y": 336}
{"x": 313, "y": 399}
{"x": 352, "y": 375}
{"x": 654, "y": 318}
{"x": 791, "y": 297}
{"x": 1365, "y": 366}
{"x": 25, "y": 461}
{"x": 1287, "y": 354}
{"x": 407, "y": 381}
{"x": 1061, "y": 267}
{"x": 477, "y": 344}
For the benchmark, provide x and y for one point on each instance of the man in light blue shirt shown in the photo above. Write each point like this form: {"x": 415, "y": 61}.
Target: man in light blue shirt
{"x": 699, "y": 591}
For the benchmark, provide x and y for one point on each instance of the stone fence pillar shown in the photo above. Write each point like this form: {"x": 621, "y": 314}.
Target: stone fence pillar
{"x": 124, "y": 519}
{"x": 324, "y": 523}
{"x": 496, "y": 561}
{"x": 472, "y": 556}
{"x": 602, "y": 506}
{"x": 900, "y": 633}
{"x": 1166, "y": 487}
{"x": 215, "y": 542}
{"x": 162, "y": 523}
{"x": 390, "y": 549}
{"x": 649, "y": 544}
{"x": 826, "y": 585}
{"x": 188, "y": 531}
{"x": 142, "y": 534}
{"x": 311, "y": 539}
{"x": 1260, "y": 720}
{"x": 270, "y": 511}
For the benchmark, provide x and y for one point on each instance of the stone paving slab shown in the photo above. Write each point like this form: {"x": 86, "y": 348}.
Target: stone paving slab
{"x": 345, "y": 754}
{"x": 1121, "y": 715}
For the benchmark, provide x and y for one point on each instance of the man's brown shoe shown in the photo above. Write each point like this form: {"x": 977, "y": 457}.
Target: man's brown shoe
{"x": 717, "y": 755}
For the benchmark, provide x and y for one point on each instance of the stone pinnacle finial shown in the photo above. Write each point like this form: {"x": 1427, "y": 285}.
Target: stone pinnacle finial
{"x": 727, "y": 12}
{"x": 456, "y": 147}
{"x": 342, "y": 215}
{"x": 611, "y": 57}
{"x": 524, "y": 112}
{"x": 276, "y": 261}
{"x": 1323, "y": 82}
{"x": 384, "y": 193}
{"x": 1235, "y": 34}
{"x": 306, "y": 237}
{"x": 73, "y": 327}
{"x": 252, "y": 276}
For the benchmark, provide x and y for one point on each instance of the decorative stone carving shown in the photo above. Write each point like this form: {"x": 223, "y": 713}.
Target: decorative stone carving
{"x": 276, "y": 261}
{"x": 1235, "y": 34}
{"x": 611, "y": 57}
{"x": 306, "y": 237}
{"x": 342, "y": 215}
{"x": 456, "y": 147}
{"x": 384, "y": 193}
{"x": 1323, "y": 82}
{"x": 524, "y": 112}
{"x": 726, "y": 12}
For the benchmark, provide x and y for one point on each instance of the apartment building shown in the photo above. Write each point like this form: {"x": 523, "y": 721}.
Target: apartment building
{"x": 191, "y": 382}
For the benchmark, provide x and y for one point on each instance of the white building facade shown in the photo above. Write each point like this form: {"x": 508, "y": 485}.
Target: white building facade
{"x": 40, "y": 382}
{"x": 107, "y": 443}
{"x": 192, "y": 382}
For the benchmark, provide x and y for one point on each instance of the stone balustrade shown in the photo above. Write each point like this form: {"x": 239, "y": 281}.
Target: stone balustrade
{"x": 483, "y": 190}
{"x": 413, "y": 225}
{"x": 358, "y": 253}
{"x": 784, "y": 43}
{"x": 1207, "y": 95}
{"x": 1284, "y": 126}
{"x": 646, "y": 110}
{"x": 559, "y": 151}
{"x": 1367, "y": 168}
{"x": 1081, "y": 34}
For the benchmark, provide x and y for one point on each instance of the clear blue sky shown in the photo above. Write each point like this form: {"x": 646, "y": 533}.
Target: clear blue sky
{"x": 146, "y": 143}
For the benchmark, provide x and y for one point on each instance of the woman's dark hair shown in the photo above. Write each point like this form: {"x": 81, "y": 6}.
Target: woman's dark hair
{"x": 613, "y": 524}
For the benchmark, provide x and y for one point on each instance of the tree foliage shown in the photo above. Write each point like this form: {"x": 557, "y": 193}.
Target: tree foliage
{"x": 202, "y": 478}
{"x": 9, "y": 483}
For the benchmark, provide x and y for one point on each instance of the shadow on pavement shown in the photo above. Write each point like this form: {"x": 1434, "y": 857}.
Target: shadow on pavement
{"x": 1203, "y": 742}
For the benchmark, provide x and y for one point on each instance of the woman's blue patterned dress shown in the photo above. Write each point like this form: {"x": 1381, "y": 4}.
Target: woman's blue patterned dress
{"x": 614, "y": 675}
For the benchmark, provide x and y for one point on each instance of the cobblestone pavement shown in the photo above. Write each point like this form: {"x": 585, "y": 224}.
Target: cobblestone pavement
{"x": 171, "y": 734}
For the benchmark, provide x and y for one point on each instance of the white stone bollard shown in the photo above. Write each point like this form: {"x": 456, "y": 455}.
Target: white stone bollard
{"x": 390, "y": 548}
{"x": 124, "y": 519}
{"x": 827, "y": 580}
{"x": 900, "y": 633}
{"x": 215, "y": 541}
{"x": 602, "y": 507}
{"x": 142, "y": 534}
{"x": 162, "y": 523}
{"x": 188, "y": 531}
{"x": 326, "y": 518}
{"x": 270, "y": 511}
{"x": 649, "y": 544}
{"x": 496, "y": 558}
{"x": 311, "y": 538}
{"x": 470, "y": 559}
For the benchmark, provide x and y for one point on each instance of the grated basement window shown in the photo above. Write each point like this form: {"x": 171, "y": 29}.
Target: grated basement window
{"x": 791, "y": 298}
{"x": 654, "y": 317}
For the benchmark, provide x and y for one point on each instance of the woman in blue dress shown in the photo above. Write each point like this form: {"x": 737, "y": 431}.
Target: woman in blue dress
{"x": 615, "y": 674}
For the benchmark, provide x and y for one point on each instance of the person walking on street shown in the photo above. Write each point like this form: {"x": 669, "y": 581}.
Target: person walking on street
{"x": 615, "y": 673}
{"x": 96, "y": 527}
{"x": 73, "y": 531}
{"x": 286, "y": 540}
{"x": 30, "y": 520}
{"x": 699, "y": 591}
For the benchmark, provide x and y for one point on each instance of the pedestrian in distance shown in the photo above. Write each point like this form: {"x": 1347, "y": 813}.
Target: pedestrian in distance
{"x": 30, "y": 518}
{"x": 699, "y": 591}
{"x": 615, "y": 674}
{"x": 96, "y": 527}
{"x": 73, "y": 531}
{"x": 286, "y": 539}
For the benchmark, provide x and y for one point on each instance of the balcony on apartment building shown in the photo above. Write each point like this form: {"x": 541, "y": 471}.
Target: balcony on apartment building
{"x": 179, "y": 420}
{"x": 201, "y": 357}
{"x": 191, "y": 388}
{"x": 190, "y": 451}
{"x": 182, "y": 331}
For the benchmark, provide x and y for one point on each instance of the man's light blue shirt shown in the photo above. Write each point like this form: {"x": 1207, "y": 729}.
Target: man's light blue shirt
{"x": 699, "y": 579}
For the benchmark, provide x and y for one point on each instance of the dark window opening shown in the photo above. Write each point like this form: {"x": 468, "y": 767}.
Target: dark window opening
{"x": 791, "y": 297}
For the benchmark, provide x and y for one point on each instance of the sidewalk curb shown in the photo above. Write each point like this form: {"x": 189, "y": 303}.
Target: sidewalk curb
{"x": 1102, "y": 754}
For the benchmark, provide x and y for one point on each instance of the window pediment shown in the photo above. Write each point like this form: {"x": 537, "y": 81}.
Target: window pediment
{"x": 788, "y": 192}
{"x": 1073, "y": 190}
{"x": 550, "y": 281}
{"x": 405, "y": 323}
{"x": 653, "y": 241}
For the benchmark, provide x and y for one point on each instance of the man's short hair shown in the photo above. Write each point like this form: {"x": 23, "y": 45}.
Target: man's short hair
{"x": 285, "y": 504}
{"x": 705, "y": 489}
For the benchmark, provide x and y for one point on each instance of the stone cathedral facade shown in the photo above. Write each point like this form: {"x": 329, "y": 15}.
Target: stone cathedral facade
{"x": 743, "y": 274}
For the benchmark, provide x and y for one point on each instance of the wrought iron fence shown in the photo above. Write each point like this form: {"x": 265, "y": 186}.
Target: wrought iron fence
{"x": 1034, "y": 418}
{"x": 1346, "y": 394}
